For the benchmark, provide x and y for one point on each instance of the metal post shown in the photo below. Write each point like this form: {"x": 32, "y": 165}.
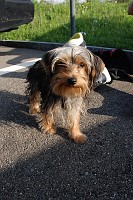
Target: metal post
{"x": 72, "y": 17}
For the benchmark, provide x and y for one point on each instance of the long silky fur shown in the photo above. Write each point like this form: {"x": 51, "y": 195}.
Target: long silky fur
{"x": 70, "y": 110}
{"x": 66, "y": 108}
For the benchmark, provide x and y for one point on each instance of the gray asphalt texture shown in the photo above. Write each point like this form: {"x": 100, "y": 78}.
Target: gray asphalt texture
{"x": 36, "y": 166}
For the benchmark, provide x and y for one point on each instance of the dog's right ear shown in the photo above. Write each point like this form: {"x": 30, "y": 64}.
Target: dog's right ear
{"x": 49, "y": 59}
{"x": 35, "y": 71}
{"x": 47, "y": 62}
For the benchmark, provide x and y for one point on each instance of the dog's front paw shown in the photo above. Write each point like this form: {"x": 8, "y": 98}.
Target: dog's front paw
{"x": 80, "y": 138}
{"x": 48, "y": 129}
{"x": 34, "y": 109}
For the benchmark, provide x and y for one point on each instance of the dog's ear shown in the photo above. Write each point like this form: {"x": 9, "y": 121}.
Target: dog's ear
{"x": 50, "y": 58}
{"x": 96, "y": 68}
{"x": 47, "y": 61}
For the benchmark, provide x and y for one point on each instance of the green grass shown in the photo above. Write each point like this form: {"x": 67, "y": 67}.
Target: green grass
{"x": 106, "y": 24}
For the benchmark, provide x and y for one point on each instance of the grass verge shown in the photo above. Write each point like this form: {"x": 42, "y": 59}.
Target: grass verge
{"x": 106, "y": 24}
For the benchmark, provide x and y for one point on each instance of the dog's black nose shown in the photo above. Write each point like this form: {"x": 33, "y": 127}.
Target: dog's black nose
{"x": 72, "y": 80}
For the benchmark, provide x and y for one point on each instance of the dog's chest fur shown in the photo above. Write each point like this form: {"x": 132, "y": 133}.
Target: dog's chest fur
{"x": 68, "y": 108}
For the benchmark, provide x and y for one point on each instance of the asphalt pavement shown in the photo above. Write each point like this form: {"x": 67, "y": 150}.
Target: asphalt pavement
{"x": 36, "y": 166}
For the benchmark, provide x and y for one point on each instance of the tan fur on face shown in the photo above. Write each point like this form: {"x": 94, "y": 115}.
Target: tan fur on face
{"x": 70, "y": 68}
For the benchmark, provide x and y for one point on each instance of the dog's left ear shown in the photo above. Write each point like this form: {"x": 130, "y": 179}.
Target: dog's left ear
{"x": 96, "y": 69}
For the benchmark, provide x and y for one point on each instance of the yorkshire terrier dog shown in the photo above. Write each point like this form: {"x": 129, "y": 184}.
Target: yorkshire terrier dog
{"x": 61, "y": 81}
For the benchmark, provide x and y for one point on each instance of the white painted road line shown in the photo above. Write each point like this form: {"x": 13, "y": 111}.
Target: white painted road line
{"x": 14, "y": 68}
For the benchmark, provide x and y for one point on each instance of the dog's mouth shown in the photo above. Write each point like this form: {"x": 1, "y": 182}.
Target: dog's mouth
{"x": 69, "y": 90}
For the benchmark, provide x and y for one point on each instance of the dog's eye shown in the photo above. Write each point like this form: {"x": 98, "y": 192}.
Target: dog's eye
{"x": 82, "y": 64}
{"x": 59, "y": 63}
{"x": 62, "y": 64}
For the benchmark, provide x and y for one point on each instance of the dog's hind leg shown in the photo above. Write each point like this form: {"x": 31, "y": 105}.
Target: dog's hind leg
{"x": 47, "y": 123}
{"x": 34, "y": 106}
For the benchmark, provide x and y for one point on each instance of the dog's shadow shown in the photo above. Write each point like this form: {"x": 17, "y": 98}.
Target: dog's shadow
{"x": 115, "y": 103}
{"x": 14, "y": 109}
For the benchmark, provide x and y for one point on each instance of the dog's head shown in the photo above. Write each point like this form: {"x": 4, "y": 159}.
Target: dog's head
{"x": 72, "y": 70}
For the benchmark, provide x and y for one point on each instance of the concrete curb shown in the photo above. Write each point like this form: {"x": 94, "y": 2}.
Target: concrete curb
{"x": 45, "y": 46}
